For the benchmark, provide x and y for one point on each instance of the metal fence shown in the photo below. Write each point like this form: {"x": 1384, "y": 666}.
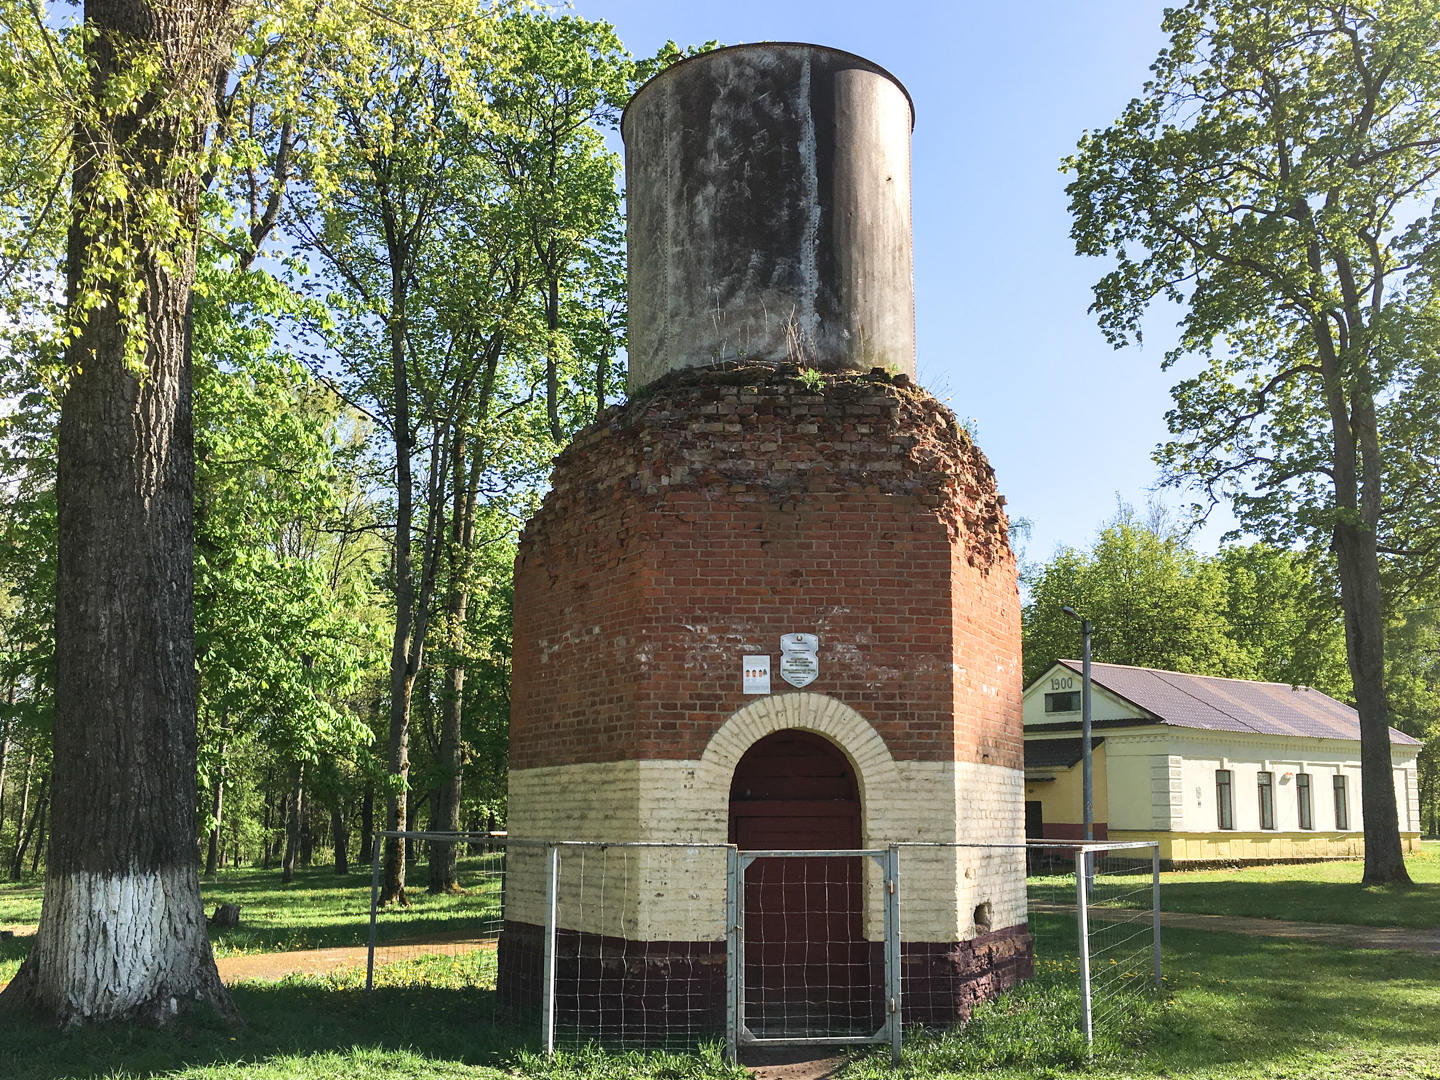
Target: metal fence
{"x": 667, "y": 945}
{"x": 1112, "y": 891}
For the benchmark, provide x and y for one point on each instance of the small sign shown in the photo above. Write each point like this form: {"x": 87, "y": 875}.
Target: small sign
{"x": 755, "y": 675}
{"x": 799, "y": 643}
{"x": 799, "y": 659}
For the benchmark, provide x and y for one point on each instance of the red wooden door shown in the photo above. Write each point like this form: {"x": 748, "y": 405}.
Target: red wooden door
{"x": 806, "y": 961}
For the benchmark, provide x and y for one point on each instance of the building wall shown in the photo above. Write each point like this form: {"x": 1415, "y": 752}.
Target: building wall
{"x": 1246, "y": 756}
{"x": 696, "y": 526}
{"x": 702, "y": 522}
{"x": 1062, "y": 799}
{"x": 1160, "y": 784}
{"x": 687, "y": 803}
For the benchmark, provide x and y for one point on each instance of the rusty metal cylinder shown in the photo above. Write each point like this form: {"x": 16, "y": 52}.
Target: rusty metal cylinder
{"x": 768, "y": 189}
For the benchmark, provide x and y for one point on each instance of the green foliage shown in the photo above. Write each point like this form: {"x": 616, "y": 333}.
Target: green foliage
{"x": 1412, "y": 684}
{"x": 1272, "y": 181}
{"x": 1253, "y": 612}
{"x": 1278, "y": 179}
{"x": 811, "y": 379}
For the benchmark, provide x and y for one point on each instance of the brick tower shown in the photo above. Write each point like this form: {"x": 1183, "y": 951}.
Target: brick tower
{"x": 775, "y": 473}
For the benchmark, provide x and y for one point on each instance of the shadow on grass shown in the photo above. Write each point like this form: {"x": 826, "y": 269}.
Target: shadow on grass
{"x": 290, "y": 1018}
{"x": 1256, "y": 1000}
{"x": 322, "y": 910}
{"x": 1261, "y": 1002}
{"x": 1413, "y": 906}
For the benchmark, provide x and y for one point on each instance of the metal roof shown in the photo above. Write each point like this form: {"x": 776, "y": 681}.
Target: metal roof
{"x": 1216, "y": 704}
{"x": 1055, "y": 753}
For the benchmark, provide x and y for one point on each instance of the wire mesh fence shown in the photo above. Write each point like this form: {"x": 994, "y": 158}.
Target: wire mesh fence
{"x": 806, "y": 963}
{"x": 671, "y": 945}
{"x": 462, "y": 876}
{"x": 1118, "y": 906}
{"x": 638, "y": 940}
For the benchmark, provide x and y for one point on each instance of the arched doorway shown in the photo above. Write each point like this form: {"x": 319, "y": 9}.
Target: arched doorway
{"x": 807, "y": 964}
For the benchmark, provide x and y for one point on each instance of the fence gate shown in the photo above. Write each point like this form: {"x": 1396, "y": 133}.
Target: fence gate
{"x": 799, "y": 967}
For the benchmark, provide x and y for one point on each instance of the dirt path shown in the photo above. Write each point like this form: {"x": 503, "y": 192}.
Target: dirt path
{"x": 268, "y": 967}
{"x": 1400, "y": 939}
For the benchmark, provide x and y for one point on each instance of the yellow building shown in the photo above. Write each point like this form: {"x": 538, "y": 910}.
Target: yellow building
{"x": 1216, "y": 770}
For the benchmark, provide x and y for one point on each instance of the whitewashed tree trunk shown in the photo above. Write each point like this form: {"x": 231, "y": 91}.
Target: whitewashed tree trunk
{"x": 122, "y": 930}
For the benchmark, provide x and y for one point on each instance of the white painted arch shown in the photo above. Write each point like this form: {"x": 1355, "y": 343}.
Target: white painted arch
{"x": 875, "y": 768}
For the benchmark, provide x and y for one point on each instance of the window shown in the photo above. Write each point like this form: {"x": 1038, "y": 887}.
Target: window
{"x": 1266, "y": 783}
{"x": 1342, "y": 804}
{"x": 1224, "y": 801}
{"x": 1302, "y": 796}
{"x": 1068, "y": 702}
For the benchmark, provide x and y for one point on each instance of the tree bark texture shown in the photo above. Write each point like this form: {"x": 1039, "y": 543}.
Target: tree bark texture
{"x": 22, "y": 839}
{"x": 122, "y": 929}
{"x": 40, "y": 833}
{"x": 405, "y": 650}
{"x": 445, "y": 805}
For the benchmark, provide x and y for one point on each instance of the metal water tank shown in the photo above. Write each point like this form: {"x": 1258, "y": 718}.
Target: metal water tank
{"x": 768, "y": 188}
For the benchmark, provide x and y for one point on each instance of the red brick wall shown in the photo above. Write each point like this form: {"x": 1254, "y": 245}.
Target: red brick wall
{"x": 704, "y": 520}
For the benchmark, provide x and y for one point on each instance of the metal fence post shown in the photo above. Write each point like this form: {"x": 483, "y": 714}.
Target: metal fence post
{"x": 1082, "y": 899}
{"x": 1155, "y": 903}
{"x": 734, "y": 953}
{"x": 552, "y": 899}
{"x": 374, "y": 899}
{"x": 892, "y": 949}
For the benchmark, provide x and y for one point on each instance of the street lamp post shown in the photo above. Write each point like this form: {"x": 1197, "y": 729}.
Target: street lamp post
{"x": 1087, "y": 780}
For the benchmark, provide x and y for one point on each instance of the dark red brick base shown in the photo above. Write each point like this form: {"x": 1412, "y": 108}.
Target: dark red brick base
{"x": 941, "y": 983}
{"x": 640, "y": 991}
{"x": 652, "y": 991}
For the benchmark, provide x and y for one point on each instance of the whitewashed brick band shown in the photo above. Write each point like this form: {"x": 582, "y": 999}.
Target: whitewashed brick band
{"x": 678, "y": 894}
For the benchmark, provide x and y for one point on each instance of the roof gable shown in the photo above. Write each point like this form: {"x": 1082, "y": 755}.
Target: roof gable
{"x": 1216, "y": 704}
{"x": 1058, "y": 678}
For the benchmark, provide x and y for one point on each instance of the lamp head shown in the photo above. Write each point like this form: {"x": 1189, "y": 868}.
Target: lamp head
{"x": 1068, "y": 610}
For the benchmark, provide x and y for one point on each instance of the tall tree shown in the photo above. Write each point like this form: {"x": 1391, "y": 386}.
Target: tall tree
{"x": 1153, "y": 603}
{"x": 1272, "y": 181}
{"x": 492, "y": 164}
{"x": 122, "y": 930}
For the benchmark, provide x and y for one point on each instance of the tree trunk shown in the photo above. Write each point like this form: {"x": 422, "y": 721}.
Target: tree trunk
{"x": 122, "y": 928}
{"x": 445, "y": 804}
{"x": 552, "y": 367}
{"x": 5, "y": 749}
{"x": 212, "y": 856}
{"x": 40, "y": 835}
{"x": 22, "y": 839}
{"x": 267, "y": 844}
{"x": 292, "y": 826}
{"x": 18, "y": 853}
{"x": 307, "y": 835}
{"x": 413, "y": 825}
{"x": 403, "y": 646}
{"x": 367, "y": 828}
{"x": 340, "y": 835}
{"x": 1360, "y": 596}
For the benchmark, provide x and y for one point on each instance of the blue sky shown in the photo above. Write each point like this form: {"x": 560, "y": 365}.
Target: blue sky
{"x": 1002, "y": 91}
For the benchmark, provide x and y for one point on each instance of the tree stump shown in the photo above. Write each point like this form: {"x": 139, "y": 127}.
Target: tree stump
{"x": 226, "y": 915}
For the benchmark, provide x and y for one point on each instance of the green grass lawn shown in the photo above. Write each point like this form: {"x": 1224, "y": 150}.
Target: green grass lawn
{"x": 1233, "y": 1008}
{"x": 1311, "y": 892}
{"x": 1325, "y": 892}
{"x": 317, "y": 910}
{"x": 1236, "y": 1008}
